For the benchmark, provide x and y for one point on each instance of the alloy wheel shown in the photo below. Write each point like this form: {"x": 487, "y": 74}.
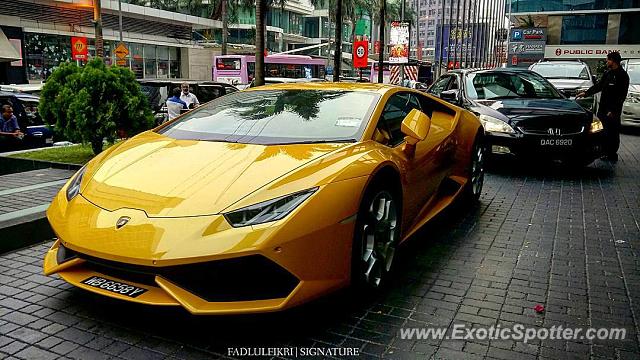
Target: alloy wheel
{"x": 379, "y": 238}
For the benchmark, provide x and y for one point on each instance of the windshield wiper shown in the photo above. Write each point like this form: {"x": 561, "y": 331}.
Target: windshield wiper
{"x": 504, "y": 97}
{"x": 319, "y": 141}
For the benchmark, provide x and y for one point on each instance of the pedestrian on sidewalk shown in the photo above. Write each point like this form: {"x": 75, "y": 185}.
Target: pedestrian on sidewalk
{"x": 614, "y": 86}
{"x": 175, "y": 106}
{"x": 188, "y": 97}
{"x": 10, "y": 134}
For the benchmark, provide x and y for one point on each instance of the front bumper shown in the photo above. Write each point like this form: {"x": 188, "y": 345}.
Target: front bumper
{"x": 584, "y": 147}
{"x": 202, "y": 263}
{"x": 630, "y": 114}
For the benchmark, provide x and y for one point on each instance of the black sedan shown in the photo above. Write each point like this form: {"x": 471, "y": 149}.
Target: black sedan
{"x": 524, "y": 115}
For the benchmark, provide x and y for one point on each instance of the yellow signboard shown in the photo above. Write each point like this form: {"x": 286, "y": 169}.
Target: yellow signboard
{"x": 121, "y": 51}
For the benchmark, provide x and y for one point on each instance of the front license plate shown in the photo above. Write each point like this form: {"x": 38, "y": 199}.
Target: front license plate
{"x": 556, "y": 142}
{"x": 114, "y": 286}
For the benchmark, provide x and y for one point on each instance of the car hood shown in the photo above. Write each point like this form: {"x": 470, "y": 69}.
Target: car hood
{"x": 515, "y": 110}
{"x": 634, "y": 88}
{"x": 570, "y": 83}
{"x": 165, "y": 177}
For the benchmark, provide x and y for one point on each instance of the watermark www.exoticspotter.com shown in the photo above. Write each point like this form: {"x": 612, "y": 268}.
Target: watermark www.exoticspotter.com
{"x": 518, "y": 332}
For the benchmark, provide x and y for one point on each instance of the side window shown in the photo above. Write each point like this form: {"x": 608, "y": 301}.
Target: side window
{"x": 440, "y": 85}
{"x": 454, "y": 84}
{"x": 397, "y": 107}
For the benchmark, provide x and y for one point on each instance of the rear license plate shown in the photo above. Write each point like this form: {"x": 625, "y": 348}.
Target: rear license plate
{"x": 113, "y": 286}
{"x": 48, "y": 141}
{"x": 556, "y": 142}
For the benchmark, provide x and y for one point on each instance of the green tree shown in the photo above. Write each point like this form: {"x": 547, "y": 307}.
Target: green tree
{"x": 94, "y": 102}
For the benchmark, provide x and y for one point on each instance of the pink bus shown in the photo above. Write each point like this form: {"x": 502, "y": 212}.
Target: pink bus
{"x": 239, "y": 69}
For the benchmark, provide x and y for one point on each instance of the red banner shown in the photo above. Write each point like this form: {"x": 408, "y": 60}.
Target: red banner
{"x": 79, "y": 49}
{"x": 360, "y": 54}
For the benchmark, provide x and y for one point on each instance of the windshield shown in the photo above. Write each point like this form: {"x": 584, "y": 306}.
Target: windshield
{"x": 278, "y": 117}
{"x": 634, "y": 74}
{"x": 562, "y": 71}
{"x": 501, "y": 85}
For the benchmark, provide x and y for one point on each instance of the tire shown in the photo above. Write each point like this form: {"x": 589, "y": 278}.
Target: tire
{"x": 473, "y": 188}
{"x": 376, "y": 237}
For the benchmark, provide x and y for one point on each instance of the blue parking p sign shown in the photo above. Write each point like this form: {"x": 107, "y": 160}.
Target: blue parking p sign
{"x": 517, "y": 35}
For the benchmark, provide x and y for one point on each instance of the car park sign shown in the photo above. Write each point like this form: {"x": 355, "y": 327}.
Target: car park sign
{"x": 360, "y": 54}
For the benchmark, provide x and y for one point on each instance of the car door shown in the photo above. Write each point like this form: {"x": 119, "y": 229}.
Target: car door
{"x": 420, "y": 177}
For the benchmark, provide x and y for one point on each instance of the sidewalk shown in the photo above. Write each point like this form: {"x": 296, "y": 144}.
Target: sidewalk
{"x": 24, "y": 199}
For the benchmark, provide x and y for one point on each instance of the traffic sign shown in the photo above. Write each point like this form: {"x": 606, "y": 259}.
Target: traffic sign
{"x": 360, "y": 54}
{"x": 79, "y": 49}
{"x": 121, "y": 51}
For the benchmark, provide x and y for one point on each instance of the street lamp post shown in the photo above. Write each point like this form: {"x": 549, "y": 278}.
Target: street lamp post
{"x": 97, "y": 22}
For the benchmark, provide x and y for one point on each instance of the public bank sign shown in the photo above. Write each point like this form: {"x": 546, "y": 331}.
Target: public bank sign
{"x": 589, "y": 51}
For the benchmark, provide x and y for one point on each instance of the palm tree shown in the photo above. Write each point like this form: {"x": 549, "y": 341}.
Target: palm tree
{"x": 225, "y": 26}
{"x": 261, "y": 9}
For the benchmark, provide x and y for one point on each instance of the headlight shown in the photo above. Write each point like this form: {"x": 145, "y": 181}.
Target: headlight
{"x": 270, "y": 210}
{"x": 596, "y": 125}
{"x": 633, "y": 97}
{"x": 74, "y": 186}
{"x": 492, "y": 124}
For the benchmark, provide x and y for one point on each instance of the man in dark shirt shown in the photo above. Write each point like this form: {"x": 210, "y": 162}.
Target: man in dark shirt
{"x": 10, "y": 134}
{"x": 614, "y": 86}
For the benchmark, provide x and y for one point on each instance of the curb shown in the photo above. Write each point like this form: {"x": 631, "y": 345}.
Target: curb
{"x": 33, "y": 231}
{"x": 13, "y": 165}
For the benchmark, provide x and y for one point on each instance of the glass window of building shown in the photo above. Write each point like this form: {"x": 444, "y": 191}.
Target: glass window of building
{"x": 564, "y": 5}
{"x": 163, "y": 62}
{"x": 174, "y": 62}
{"x": 137, "y": 60}
{"x": 150, "y": 61}
{"x": 629, "y": 33}
{"x": 584, "y": 29}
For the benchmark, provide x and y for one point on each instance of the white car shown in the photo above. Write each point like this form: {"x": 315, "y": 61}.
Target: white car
{"x": 33, "y": 89}
{"x": 631, "y": 109}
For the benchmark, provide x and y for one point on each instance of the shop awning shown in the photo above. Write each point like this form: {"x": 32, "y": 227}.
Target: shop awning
{"x": 7, "y": 51}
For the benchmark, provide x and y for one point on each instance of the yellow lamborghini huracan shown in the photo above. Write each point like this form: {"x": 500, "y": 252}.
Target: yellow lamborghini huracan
{"x": 264, "y": 199}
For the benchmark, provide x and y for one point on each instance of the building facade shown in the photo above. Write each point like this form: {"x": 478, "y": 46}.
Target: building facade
{"x": 170, "y": 39}
{"x": 584, "y": 30}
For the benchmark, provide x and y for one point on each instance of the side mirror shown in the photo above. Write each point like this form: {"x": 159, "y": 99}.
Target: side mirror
{"x": 594, "y": 79}
{"x": 452, "y": 96}
{"x": 416, "y": 127}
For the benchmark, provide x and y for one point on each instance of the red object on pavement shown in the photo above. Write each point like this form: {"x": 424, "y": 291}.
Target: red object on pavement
{"x": 539, "y": 308}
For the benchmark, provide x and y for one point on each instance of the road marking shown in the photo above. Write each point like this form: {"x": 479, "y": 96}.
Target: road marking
{"x": 24, "y": 212}
{"x": 32, "y": 187}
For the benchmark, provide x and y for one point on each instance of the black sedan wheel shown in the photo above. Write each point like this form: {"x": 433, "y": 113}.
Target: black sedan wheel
{"x": 476, "y": 171}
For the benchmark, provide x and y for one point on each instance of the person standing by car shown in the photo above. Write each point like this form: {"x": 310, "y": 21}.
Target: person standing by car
{"x": 614, "y": 86}
{"x": 188, "y": 97}
{"x": 10, "y": 133}
{"x": 175, "y": 105}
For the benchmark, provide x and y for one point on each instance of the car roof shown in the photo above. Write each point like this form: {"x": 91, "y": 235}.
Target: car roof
{"x": 372, "y": 87}
{"x": 505, "y": 70}
{"x": 563, "y": 61}
{"x": 180, "y": 81}
{"x": 290, "y": 80}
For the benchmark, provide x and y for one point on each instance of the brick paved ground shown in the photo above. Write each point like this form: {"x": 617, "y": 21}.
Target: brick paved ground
{"x": 565, "y": 239}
